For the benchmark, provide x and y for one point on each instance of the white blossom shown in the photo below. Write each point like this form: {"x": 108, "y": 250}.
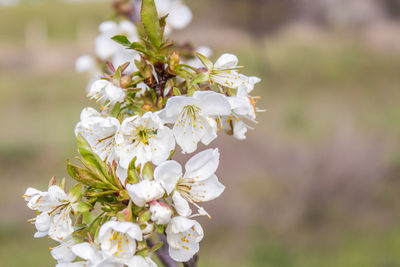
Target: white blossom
{"x": 193, "y": 117}
{"x": 63, "y": 252}
{"x": 85, "y": 63}
{"x": 225, "y": 72}
{"x": 183, "y": 236}
{"x": 146, "y": 138}
{"x": 99, "y": 132}
{"x": 118, "y": 240}
{"x": 144, "y": 192}
{"x": 161, "y": 213}
{"x": 104, "y": 92}
{"x": 243, "y": 113}
{"x": 92, "y": 256}
{"x": 54, "y": 211}
{"x": 198, "y": 184}
{"x": 108, "y": 49}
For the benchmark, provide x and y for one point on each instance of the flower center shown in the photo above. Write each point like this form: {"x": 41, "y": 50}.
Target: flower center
{"x": 119, "y": 243}
{"x": 190, "y": 114}
{"x": 143, "y": 134}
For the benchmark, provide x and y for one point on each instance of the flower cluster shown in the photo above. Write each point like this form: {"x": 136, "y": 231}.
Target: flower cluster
{"x": 154, "y": 100}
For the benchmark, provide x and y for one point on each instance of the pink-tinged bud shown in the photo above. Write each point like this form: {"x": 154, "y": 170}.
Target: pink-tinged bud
{"x": 161, "y": 213}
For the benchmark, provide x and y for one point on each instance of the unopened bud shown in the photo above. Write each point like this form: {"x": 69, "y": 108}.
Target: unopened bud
{"x": 126, "y": 80}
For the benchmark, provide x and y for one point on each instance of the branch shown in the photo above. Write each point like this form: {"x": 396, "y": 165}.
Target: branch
{"x": 192, "y": 262}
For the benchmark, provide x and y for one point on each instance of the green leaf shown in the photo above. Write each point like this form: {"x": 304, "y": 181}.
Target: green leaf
{"x": 133, "y": 177}
{"x": 138, "y": 47}
{"x": 81, "y": 206}
{"x": 163, "y": 22}
{"x": 86, "y": 177}
{"x": 122, "y": 39}
{"x": 207, "y": 62}
{"x": 151, "y": 23}
{"x": 92, "y": 158}
{"x": 202, "y": 77}
{"x": 75, "y": 193}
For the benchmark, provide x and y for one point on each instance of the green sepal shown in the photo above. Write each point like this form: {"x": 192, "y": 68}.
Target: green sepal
{"x": 144, "y": 216}
{"x": 191, "y": 90}
{"x": 137, "y": 210}
{"x": 147, "y": 172}
{"x": 142, "y": 252}
{"x": 81, "y": 207}
{"x": 99, "y": 193}
{"x": 156, "y": 247}
{"x": 78, "y": 227}
{"x": 123, "y": 195}
{"x": 207, "y": 62}
{"x": 133, "y": 177}
{"x": 202, "y": 77}
{"x": 86, "y": 217}
{"x": 176, "y": 91}
{"x": 126, "y": 214}
{"x": 160, "y": 228}
{"x": 121, "y": 39}
{"x": 75, "y": 193}
{"x": 62, "y": 184}
{"x": 151, "y": 22}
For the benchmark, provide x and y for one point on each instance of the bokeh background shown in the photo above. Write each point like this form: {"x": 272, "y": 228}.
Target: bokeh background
{"x": 316, "y": 184}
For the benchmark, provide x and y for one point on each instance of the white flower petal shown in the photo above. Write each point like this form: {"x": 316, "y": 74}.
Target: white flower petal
{"x": 179, "y": 16}
{"x": 61, "y": 225}
{"x": 144, "y": 192}
{"x": 202, "y": 165}
{"x": 183, "y": 236}
{"x": 226, "y": 61}
{"x": 167, "y": 174}
{"x": 175, "y": 105}
{"x": 63, "y": 252}
{"x": 211, "y": 103}
{"x": 181, "y": 205}
{"x": 139, "y": 261}
{"x": 160, "y": 213}
{"x": 87, "y": 251}
{"x": 207, "y": 190}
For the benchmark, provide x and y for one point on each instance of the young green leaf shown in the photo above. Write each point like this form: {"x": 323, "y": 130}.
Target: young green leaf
{"x": 86, "y": 177}
{"x": 151, "y": 23}
{"x": 121, "y": 39}
{"x": 92, "y": 158}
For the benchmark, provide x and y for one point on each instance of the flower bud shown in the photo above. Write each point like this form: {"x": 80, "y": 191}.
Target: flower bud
{"x": 126, "y": 80}
{"x": 161, "y": 213}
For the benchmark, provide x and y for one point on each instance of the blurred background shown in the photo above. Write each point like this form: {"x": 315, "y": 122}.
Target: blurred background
{"x": 316, "y": 184}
